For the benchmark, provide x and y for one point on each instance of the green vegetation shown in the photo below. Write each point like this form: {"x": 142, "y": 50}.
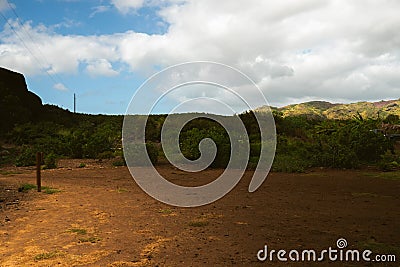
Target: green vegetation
{"x": 306, "y": 138}
{"x": 50, "y": 161}
{"x": 321, "y": 110}
{"x": 389, "y": 162}
{"x": 82, "y": 165}
{"x": 165, "y": 211}
{"x": 49, "y": 190}
{"x": 45, "y": 189}
{"x": 47, "y": 255}
{"x": 91, "y": 239}
{"x": 122, "y": 190}
{"x": 26, "y": 187}
{"x": 79, "y": 231}
{"x": 312, "y": 134}
{"x": 198, "y": 223}
{"x": 92, "y": 136}
{"x": 9, "y": 172}
{"x": 119, "y": 162}
{"x": 83, "y": 235}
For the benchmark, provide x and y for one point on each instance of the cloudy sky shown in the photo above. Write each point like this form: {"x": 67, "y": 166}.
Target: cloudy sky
{"x": 295, "y": 51}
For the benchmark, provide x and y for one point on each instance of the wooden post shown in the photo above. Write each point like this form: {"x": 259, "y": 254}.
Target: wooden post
{"x": 39, "y": 158}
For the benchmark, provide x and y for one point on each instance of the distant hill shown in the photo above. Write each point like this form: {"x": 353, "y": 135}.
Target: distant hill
{"x": 325, "y": 110}
{"x": 18, "y": 105}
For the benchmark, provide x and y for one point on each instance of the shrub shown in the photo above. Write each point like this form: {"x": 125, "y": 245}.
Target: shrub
{"x": 50, "y": 161}
{"x": 287, "y": 163}
{"x": 152, "y": 151}
{"x": 253, "y": 162}
{"x": 27, "y": 157}
{"x": 105, "y": 155}
{"x": 82, "y": 165}
{"x": 137, "y": 159}
{"x": 119, "y": 162}
{"x": 26, "y": 187}
{"x": 389, "y": 162}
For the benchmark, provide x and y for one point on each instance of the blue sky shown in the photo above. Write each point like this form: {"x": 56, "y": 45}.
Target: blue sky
{"x": 295, "y": 51}
{"x": 95, "y": 94}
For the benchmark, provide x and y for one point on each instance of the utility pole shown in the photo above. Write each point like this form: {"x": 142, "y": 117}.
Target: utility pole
{"x": 74, "y": 103}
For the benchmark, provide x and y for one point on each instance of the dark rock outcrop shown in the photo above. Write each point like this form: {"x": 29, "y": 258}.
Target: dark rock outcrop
{"x": 17, "y": 104}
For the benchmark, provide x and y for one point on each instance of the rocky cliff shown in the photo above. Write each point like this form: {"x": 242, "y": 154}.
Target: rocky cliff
{"x": 17, "y": 104}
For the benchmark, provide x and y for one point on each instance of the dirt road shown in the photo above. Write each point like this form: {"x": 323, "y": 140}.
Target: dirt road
{"x": 98, "y": 216}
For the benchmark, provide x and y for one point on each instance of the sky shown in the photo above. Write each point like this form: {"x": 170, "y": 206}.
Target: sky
{"x": 295, "y": 51}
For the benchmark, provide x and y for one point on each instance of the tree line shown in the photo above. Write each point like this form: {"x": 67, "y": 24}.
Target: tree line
{"x": 302, "y": 143}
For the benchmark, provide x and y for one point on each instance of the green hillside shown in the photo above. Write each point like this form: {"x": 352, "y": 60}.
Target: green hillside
{"x": 324, "y": 110}
{"x": 312, "y": 134}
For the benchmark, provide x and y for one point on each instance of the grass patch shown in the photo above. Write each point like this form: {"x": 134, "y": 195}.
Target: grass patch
{"x": 198, "y": 223}
{"x": 26, "y": 187}
{"x": 395, "y": 175}
{"x": 45, "y": 189}
{"x": 165, "y": 211}
{"x": 91, "y": 239}
{"x": 118, "y": 163}
{"x": 82, "y": 165}
{"x": 49, "y": 190}
{"x": 121, "y": 190}
{"x": 9, "y": 172}
{"x": 47, "y": 255}
{"x": 79, "y": 231}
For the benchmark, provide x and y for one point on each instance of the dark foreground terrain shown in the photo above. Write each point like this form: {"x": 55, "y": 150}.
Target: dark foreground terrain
{"x": 98, "y": 216}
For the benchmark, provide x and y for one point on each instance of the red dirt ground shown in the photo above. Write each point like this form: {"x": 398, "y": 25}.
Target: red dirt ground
{"x": 100, "y": 217}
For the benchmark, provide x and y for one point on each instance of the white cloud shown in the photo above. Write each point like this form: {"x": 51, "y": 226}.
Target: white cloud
{"x": 126, "y": 6}
{"x": 101, "y": 67}
{"x": 60, "y": 87}
{"x": 293, "y": 49}
{"x": 4, "y": 5}
{"x": 50, "y": 51}
{"x": 98, "y": 10}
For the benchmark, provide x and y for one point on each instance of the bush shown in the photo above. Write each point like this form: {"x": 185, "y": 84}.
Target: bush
{"x": 82, "y": 165}
{"x": 287, "y": 163}
{"x": 27, "y": 157}
{"x": 152, "y": 151}
{"x": 50, "y": 161}
{"x": 190, "y": 140}
{"x": 389, "y": 162}
{"x": 337, "y": 157}
{"x": 105, "y": 155}
{"x": 137, "y": 159}
{"x": 347, "y": 144}
{"x": 119, "y": 162}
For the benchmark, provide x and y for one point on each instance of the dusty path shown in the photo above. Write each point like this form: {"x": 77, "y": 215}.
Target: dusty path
{"x": 101, "y": 218}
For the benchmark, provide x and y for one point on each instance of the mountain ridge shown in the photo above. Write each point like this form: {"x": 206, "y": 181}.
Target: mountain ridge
{"x": 322, "y": 110}
{"x": 19, "y": 105}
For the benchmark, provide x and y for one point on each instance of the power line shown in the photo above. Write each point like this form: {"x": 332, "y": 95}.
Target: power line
{"x": 43, "y": 57}
{"x": 26, "y": 47}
